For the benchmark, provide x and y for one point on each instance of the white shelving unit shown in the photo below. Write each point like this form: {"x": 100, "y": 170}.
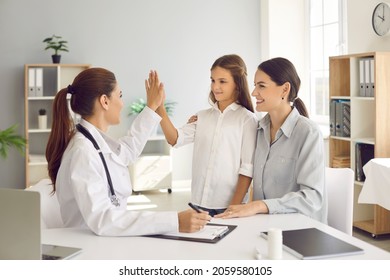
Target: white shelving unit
{"x": 153, "y": 169}
{"x": 54, "y": 78}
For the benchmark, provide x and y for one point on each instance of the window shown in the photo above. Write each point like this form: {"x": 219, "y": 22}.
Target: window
{"x": 327, "y": 38}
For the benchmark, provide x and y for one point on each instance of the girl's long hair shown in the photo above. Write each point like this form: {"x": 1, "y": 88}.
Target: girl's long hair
{"x": 237, "y": 68}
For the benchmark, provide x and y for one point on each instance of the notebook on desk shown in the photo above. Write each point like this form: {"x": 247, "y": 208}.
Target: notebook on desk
{"x": 312, "y": 243}
{"x": 20, "y": 233}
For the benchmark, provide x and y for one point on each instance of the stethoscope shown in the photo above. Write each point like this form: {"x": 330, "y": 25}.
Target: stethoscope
{"x": 114, "y": 199}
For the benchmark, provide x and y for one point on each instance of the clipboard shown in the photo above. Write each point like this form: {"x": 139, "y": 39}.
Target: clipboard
{"x": 230, "y": 228}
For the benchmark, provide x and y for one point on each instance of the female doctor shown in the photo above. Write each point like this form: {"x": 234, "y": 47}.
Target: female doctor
{"x": 89, "y": 169}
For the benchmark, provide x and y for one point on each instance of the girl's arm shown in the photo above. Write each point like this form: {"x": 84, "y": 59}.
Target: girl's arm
{"x": 241, "y": 189}
{"x": 167, "y": 126}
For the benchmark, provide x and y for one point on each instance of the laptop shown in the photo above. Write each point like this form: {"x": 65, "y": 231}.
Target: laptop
{"x": 20, "y": 229}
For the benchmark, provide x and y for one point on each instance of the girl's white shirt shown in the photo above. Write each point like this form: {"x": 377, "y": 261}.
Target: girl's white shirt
{"x": 82, "y": 187}
{"x": 224, "y": 145}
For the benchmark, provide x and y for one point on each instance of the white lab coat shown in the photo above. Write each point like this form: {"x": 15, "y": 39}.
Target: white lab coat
{"x": 82, "y": 187}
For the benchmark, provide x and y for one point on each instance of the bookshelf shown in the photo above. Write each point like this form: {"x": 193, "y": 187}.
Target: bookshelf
{"x": 370, "y": 124}
{"x": 42, "y": 82}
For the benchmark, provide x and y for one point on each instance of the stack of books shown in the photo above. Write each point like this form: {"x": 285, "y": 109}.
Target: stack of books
{"x": 341, "y": 161}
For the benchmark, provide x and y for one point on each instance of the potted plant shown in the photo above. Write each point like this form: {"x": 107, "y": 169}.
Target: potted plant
{"x": 8, "y": 139}
{"x": 42, "y": 119}
{"x": 137, "y": 106}
{"x": 58, "y": 45}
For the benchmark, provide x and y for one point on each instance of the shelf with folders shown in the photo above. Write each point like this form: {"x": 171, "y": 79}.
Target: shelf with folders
{"x": 42, "y": 82}
{"x": 366, "y": 91}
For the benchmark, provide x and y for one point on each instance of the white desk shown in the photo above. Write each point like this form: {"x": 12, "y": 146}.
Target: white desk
{"x": 238, "y": 245}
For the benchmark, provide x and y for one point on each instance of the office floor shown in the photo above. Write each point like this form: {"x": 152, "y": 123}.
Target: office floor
{"x": 161, "y": 200}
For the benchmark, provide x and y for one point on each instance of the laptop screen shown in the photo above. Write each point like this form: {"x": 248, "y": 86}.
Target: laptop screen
{"x": 20, "y": 233}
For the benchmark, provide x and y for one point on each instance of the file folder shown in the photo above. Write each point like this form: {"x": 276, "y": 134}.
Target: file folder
{"x": 367, "y": 77}
{"x": 363, "y": 154}
{"x": 332, "y": 116}
{"x": 31, "y": 82}
{"x": 39, "y": 82}
{"x": 362, "y": 86}
{"x": 343, "y": 118}
{"x": 372, "y": 77}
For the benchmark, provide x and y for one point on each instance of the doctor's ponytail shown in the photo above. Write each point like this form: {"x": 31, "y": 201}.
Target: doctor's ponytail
{"x": 86, "y": 88}
{"x": 62, "y": 131}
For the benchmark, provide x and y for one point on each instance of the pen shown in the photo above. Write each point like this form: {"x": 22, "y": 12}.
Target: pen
{"x": 194, "y": 207}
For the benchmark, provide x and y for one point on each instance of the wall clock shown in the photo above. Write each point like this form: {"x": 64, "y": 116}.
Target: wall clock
{"x": 381, "y": 19}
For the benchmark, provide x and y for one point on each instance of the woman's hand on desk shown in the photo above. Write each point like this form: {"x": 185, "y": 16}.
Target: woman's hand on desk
{"x": 244, "y": 210}
{"x": 191, "y": 221}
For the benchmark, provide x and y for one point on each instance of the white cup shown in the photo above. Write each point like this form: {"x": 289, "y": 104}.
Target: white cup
{"x": 275, "y": 244}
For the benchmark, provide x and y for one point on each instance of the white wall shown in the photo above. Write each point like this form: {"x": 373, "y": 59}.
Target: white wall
{"x": 180, "y": 38}
{"x": 361, "y": 36}
{"x": 282, "y": 34}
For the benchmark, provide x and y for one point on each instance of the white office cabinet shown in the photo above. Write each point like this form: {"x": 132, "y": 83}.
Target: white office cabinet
{"x": 153, "y": 169}
{"x": 369, "y": 123}
{"x": 42, "y": 82}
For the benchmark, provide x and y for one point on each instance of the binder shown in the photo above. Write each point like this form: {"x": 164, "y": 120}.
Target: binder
{"x": 372, "y": 77}
{"x": 363, "y": 154}
{"x": 346, "y": 125}
{"x": 332, "y": 116}
{"x": 31, "y": 82}
{"x": 343, "y": 118}
{"x": 367, "y": 77}
{"x": 38, "y": 82}
{"x": 197, "y": 236}
{"x": 362, "y": 87}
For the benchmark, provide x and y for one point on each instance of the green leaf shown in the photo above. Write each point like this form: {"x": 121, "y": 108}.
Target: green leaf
{"x": 137, "y": 106}
{"x": 56, "y": 43}
{"x": 9, "y": 139}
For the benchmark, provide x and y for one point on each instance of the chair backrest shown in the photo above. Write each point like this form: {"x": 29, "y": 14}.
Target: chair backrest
{"x": 50, "y": 208}
{"x": 339, "y": 183}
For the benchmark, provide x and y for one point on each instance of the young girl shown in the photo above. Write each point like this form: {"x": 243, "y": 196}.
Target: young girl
{"x": 224, "y": 138}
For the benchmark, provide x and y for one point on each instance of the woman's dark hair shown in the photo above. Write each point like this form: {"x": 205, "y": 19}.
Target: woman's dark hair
{"x": 281, "y": 70}
{"x": 237, "y": 68}
{"x": 88, "y": 86}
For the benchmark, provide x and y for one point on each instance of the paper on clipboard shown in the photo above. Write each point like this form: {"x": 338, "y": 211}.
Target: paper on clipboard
{"x": 208, "y": 232}
{"x": 211, "y": 233}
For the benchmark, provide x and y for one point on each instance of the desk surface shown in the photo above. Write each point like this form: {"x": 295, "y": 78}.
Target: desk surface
{"x": 239, "y": 244}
